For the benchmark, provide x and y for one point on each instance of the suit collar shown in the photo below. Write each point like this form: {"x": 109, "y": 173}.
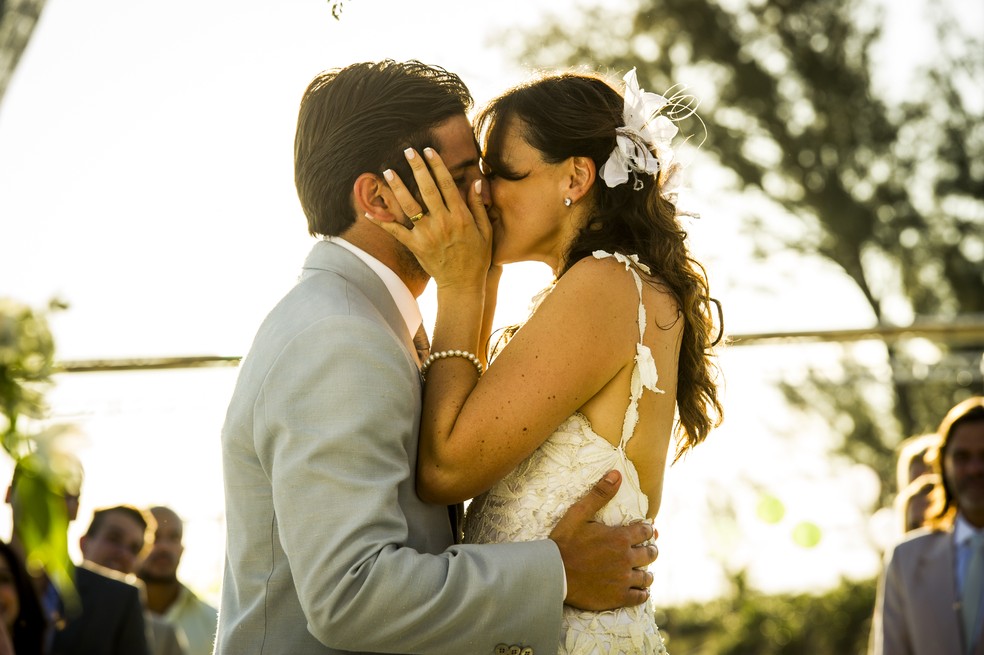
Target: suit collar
{"x": 940, "y": 548}
{"x": 402, "y": 296}
{"x": 330, "y": 257}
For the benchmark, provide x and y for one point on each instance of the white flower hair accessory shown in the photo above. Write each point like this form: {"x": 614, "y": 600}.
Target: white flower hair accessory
{"x": 649, "y": 126}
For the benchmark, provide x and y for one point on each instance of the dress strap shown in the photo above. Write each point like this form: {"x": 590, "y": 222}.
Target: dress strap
{"x": 644, "y": 374}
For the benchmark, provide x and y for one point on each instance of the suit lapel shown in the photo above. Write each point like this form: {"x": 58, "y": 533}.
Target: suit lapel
{"x": 935, "y": 573}
{"x": 940, "y": 563}
{"x": 979, "y": 645}
{"x": 332, "y": 258}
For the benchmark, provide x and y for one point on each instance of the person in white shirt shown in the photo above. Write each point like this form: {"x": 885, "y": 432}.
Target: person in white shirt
{"x": 166, "y": 595}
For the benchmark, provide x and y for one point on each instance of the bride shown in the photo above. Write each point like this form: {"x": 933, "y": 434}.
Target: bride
{"x": 581, "y": 178}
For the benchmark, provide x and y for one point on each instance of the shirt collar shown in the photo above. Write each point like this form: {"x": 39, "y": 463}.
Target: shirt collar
{"x": 405, "y": 302}
{"x": 963, "y": 531}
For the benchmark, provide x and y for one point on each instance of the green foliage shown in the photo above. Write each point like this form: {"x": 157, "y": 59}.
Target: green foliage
{"x": 889, "y": 191}
{"x": 46, "y": 472}
{"x": 39, "y": 496}
{"x": 749, "y": 623}
{"x": 26, "y": 362}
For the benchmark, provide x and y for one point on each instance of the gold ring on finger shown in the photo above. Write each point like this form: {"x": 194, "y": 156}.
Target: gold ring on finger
{"x": 416, "y": 217}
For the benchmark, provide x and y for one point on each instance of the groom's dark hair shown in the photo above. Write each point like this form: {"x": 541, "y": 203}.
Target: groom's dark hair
{"x": 360, "y": 119}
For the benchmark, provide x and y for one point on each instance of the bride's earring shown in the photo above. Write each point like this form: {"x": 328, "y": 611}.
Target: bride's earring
{"x": 567, "y": 202}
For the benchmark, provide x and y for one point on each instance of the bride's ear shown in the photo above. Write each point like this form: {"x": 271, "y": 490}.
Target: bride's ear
{"x": 371, "y": 195}
{"x": 581, "y": 178}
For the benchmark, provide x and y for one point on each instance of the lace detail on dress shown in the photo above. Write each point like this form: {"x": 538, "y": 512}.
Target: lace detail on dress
{"x": 527, "y": 504}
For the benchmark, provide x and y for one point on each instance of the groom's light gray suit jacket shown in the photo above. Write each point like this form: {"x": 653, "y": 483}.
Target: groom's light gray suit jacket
{"x": 329, "y": 549}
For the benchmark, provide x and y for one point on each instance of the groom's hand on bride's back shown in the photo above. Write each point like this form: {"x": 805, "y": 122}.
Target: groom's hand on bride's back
{"x": 605, "y": 565}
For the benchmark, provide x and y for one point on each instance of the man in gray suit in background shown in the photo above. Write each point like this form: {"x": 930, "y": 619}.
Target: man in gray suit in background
{"x": 329, "y": 548}
{"x": 931, "y": 595}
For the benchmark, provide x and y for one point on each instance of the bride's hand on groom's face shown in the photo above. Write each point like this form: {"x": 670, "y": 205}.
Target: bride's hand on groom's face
{"x": 449, "y": 234}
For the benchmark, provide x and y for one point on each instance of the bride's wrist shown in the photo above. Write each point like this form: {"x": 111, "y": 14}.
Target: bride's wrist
{"x": 462, "y": 292}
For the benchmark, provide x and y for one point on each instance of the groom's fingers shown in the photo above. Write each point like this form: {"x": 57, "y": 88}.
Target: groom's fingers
{"x": 645, "y": 580}
{"x": 583, "y": 511}
{"x": 640, "y": 534}
{"x": 643, "y": 555}
{"x": 599, "y": 496}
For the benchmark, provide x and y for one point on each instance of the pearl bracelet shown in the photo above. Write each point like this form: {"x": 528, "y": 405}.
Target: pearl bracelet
{"x": 433, "y": 357}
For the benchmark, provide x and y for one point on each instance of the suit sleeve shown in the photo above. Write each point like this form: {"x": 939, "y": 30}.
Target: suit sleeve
{"x": 132, "y": 635}
{"x": 340, "y": 419}
{"x": 889, "y": 628}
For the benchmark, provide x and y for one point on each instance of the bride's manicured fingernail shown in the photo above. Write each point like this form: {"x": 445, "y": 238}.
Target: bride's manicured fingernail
{"x": 478, "y": 187}
{"x": 388, "y": 174}
{"x": 429, "y": 153}
{"x": 409, "y": 153}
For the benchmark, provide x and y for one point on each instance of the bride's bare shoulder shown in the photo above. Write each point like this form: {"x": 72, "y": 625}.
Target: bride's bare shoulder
{"x": 608, "y": 279}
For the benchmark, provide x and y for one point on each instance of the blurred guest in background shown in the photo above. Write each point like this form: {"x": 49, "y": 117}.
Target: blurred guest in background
{"x": 114, "y": 542}
{"x": 22, "y": 623}
{"x": 915, "y": 500}
{"x": 27, "y": 479}
{"x": 930, "y": 595}
{"x": 913, "y": 460}
{"x": 166, "y": 596}
{"x": 115, "y": 538}
{"x": 109, "y": 618}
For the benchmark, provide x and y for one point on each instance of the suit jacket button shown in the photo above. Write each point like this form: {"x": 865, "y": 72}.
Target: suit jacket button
{"x": 527, "y": 651}
{"x": 501, "y": 649}
{"x": 515, "y": 650}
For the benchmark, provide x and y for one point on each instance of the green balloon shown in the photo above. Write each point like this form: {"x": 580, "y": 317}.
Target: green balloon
{"x": 770, "y": 509}
{"x": 807, "y": 534}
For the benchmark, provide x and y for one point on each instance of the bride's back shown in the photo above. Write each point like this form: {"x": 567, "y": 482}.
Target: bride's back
{"x": 648, "y": 445}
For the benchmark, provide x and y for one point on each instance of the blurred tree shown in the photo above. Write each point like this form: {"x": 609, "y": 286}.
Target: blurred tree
{"x": 17, "y": 21}
{"x": 892, "y": 193}
{"x": 748, "y": 623}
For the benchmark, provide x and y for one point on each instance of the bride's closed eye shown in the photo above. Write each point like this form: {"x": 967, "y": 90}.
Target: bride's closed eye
{"x": 500, "y": 171}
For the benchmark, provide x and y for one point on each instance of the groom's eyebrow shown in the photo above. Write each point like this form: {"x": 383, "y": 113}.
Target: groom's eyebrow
{"x": 460, "y": 167}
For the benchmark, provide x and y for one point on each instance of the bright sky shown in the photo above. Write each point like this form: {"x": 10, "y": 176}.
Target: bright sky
{"x": 146, "y": 157}
{"x": 146, "y": 178}
{"x": 146, "y": 161}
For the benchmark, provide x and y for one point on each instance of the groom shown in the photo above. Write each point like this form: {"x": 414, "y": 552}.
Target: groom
{"x": 329, "y": 549}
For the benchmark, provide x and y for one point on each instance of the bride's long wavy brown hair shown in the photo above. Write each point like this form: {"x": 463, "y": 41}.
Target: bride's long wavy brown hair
{"x": 575, "y": 115}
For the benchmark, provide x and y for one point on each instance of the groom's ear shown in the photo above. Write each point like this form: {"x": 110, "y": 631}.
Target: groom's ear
{"x": 371, "y": 195}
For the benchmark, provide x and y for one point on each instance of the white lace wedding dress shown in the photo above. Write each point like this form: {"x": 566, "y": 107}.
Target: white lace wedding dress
{"x": 528, "y": 502}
